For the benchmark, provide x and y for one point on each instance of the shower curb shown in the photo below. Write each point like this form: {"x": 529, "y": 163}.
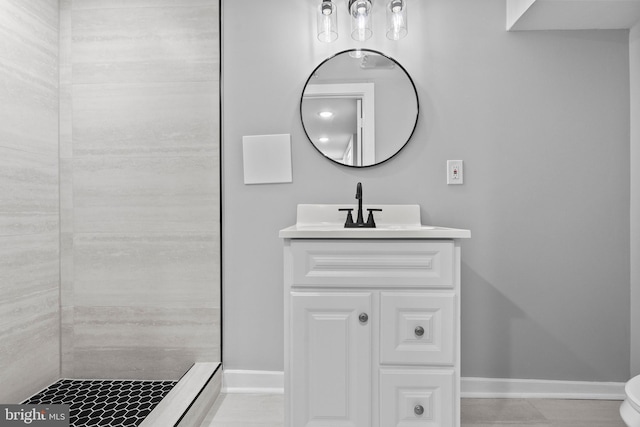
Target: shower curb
{"x": 187, "y": 404}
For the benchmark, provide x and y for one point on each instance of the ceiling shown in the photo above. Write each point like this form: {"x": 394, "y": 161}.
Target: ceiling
{"x": 572, "y": 14}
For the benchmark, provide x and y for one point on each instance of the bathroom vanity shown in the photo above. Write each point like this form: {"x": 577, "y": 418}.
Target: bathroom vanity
{"x": 372, "y": 320}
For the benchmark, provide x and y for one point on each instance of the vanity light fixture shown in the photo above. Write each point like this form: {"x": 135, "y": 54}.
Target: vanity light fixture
{"x": 325, "y": 114}
{"x": 360, "y": 11}
{"x": 327, "y": 22}
{"x": 396, "y": 19}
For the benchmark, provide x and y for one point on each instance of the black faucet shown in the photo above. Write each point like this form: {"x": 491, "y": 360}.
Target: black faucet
{"x": 360, "y": 220}
{"x": 359, "y": 199}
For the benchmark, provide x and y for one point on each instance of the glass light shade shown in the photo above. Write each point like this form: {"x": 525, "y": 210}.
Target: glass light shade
{"x": 396, "y": 19}
{"x": 327, "y": 22}
{"x": 360, "y": 11}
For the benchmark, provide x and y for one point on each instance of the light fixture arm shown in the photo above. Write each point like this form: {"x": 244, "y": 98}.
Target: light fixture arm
{"x": 351, "y": 2}
{"x": 326, "y": 8}
{"x": 396, "y": 5}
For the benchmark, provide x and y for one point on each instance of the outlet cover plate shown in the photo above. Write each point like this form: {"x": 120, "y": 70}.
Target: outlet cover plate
{"x": 455, "y": 173}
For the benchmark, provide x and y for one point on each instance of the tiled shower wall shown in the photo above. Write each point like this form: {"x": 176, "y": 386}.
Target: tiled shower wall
{"x": 139, "y": 187}
{"x": 29, "y": 279}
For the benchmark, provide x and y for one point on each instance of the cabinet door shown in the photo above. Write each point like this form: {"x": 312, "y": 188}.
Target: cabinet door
{"x": 331, "y": 359}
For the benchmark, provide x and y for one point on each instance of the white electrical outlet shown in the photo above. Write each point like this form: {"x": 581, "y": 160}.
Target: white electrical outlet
{"x": 454, "y": 172}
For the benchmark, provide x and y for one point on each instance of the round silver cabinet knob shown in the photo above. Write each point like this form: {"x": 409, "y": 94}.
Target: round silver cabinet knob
{"x": 363, "y": 317}
{"x": 419, "y": 410}
{"x": 419, "y": 331}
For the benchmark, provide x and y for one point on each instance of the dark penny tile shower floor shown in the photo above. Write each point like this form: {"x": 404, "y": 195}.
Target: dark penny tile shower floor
{"x": 105, "y": 402}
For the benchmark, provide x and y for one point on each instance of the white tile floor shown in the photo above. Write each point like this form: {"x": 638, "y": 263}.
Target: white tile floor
{"x": 247, "y": 410}
{"x": 267, "y": 410}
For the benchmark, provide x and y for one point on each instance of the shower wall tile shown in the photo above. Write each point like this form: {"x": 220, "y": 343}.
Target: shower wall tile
{"x": 29, "y": 268}
{"x": 146, "y": 70}
{"x": 66, "y": 116}
{"x": 150, "y": 44}
{"x": 66, "y": 81}
{"x": 144, "y": 342}
{"x": 67, "y": 301}
{"x": 28, "y": 265}
{"x": 152, "y": 363}
{"x": 29, "y": 314}
{"x": 66, "y": 342}
{"x": 32, "y": 112}
{"x": 66, "y": 191}
{"x": 64, "y": 48}
{"x": 29, "y": 76}
{"x": 145, "y": 119}
{"x": 14, "y": 312}
{"x": 67, "y": 270}
{"x": 146, "y": 194}
{"x": 132, "y": 4}
{"x": 29, "y": 193}
{"x": 65, "y": 169}
{"x": 30, "y": 37}
{"x": 32, "y": 18}
{"x": 29, "y": 355}
{"x": 144, "y": 327}
{"x": 140, "y": 190}
{"x": 161, "y": 270}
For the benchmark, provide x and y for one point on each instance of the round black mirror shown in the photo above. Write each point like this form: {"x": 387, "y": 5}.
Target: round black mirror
{"x": 359, "y": 108}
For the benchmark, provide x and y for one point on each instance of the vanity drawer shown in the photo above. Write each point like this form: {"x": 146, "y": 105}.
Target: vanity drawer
{"x": 373, "y": 263}
{"x": 417, "y": 397}
{"x": 417, "y": 328}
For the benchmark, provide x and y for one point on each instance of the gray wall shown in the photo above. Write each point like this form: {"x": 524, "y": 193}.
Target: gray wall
{"x": 29, "y": 220}
{"x": 541, "y": 120}
{"x": 634, "y": 63}
{"x": 139, "y": 171}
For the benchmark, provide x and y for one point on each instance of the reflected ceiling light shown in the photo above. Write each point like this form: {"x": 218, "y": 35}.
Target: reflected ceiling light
{"x": 327, "y": 22}
{"x": 325, "y": 114}
{"x": 323, "y": 139}
{"x": 396, "y": 19}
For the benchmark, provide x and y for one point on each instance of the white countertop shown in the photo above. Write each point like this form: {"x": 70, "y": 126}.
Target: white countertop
{"x": 331, "y": 232}
{"x": 394, "y": 222}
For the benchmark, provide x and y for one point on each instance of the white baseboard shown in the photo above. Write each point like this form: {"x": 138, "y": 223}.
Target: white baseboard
{"x": 266, "y": 382}
{"x": 542, "y": 389}
{"x": 272, "y": 382}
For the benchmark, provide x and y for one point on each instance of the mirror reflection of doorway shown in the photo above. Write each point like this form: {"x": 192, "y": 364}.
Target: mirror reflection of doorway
{"x": 352, "y": 154}
{"x": 340, "y": 121}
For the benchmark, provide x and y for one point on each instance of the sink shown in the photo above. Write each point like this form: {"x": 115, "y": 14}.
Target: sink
{"x": 394, "y": 221}
{"x": 397, "y": 216}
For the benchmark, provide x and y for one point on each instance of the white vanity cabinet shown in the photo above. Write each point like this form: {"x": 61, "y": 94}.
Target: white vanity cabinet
{"x": 372, "y": 332}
